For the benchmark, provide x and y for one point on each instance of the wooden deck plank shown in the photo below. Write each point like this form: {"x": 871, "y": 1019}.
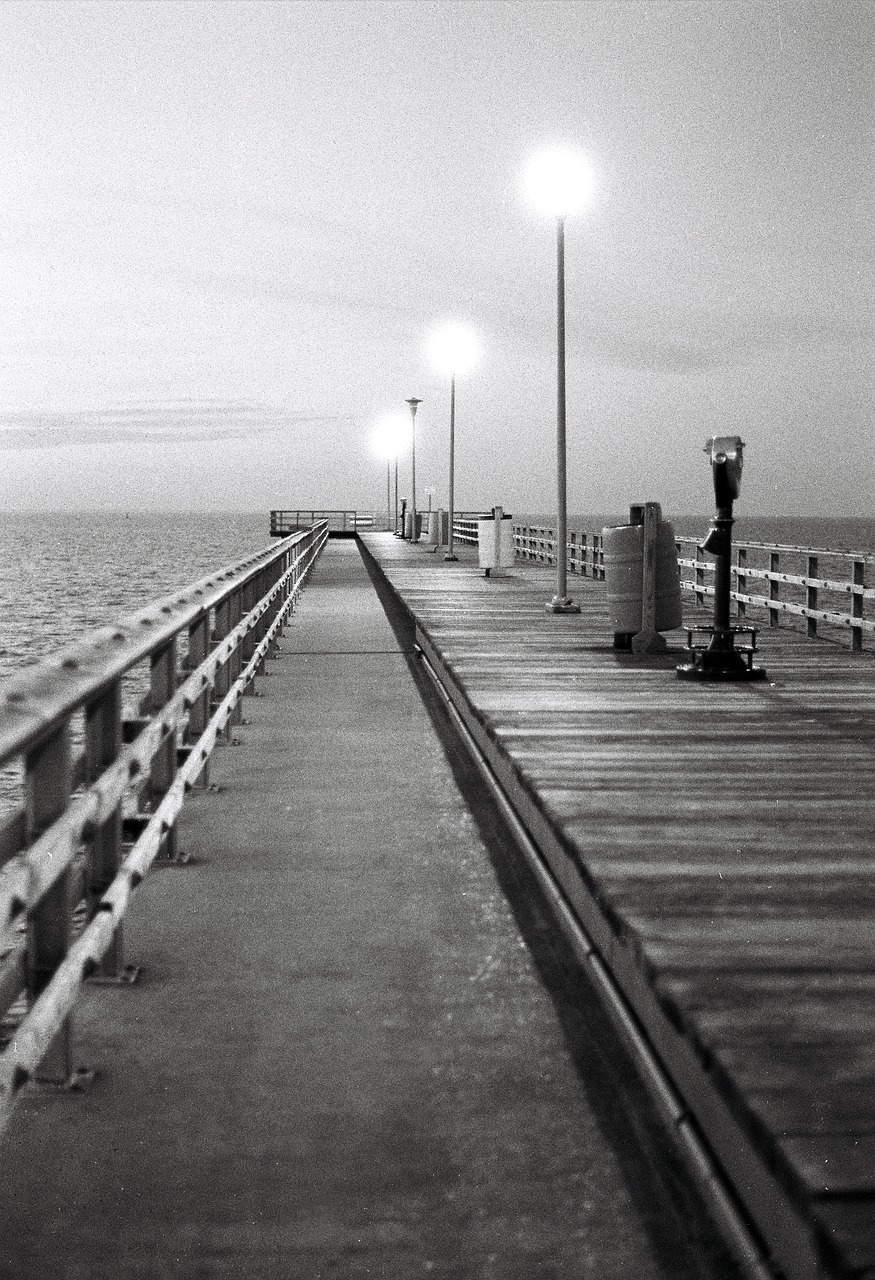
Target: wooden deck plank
{"x": 725, "y": 835}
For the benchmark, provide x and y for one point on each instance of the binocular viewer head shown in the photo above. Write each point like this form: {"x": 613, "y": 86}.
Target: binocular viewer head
{"x": 727, "y": 460}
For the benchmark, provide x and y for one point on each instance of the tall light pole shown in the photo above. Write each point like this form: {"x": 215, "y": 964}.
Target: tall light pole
{"x": 453, "y": 349}
{"x": 558, "y": 182}
{"x": 389, "y": 441}
{"x": 414, "y": 403}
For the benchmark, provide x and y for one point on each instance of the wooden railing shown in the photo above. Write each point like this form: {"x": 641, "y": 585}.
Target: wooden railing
{"x": 465, "y": 525}
{"x": 816, "y": 585}
{"x": 585, "y": 553}
{"x": 102, "y": 784}
{"x": 820, "y": 587}
{"x": 283, "y": 523}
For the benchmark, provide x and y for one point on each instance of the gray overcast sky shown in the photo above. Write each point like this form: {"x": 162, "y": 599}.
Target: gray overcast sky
{"x": 227, "y": 229}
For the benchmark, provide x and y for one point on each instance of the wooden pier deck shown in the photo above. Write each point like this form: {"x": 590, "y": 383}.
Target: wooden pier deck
{"x": 716, "y": 845}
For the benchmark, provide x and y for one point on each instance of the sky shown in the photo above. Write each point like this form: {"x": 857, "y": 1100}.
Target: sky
{"x": 228, "y": 229}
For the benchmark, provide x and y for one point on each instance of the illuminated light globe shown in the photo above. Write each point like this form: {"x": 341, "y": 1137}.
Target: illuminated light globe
{"x": 453, "y": 348}
{"x": 558, "y": 181}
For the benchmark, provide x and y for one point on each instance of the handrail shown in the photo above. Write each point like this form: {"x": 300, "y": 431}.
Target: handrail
{"x": 64, "y": 851}
{"x": 465, "y": 526}
{"x": 585, "y": 550}
{"x": 290, "y": 520}
{"x": 806, "y": 584}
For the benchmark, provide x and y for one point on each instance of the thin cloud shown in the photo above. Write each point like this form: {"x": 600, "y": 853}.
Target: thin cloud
{"x": 166, "y": 422}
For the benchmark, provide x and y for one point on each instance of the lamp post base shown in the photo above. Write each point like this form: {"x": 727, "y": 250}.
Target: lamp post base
{"x": 562, "y": 604}
{"x": 451, "y": 558}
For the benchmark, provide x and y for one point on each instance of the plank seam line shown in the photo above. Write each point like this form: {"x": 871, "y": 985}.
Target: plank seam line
{"x": 706, "y": 1173}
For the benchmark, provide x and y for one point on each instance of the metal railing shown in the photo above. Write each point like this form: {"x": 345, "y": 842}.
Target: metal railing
{"x": 283, "y": 523}
{"x": 103, "y": 783}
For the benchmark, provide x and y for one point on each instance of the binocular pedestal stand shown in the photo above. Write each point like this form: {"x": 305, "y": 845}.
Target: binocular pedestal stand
{"x": 720, "y": 658}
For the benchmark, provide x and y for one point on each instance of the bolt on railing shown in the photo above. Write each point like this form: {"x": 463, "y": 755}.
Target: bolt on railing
{"x": 88, "y": 826}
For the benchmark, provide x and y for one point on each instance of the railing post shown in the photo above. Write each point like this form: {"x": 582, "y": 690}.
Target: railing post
{"x": 235, "y": 663}
{"x": 774, "y": 589}
{"x": 741, "y": 579}
{"x": 260, "y": 589}
{"x": 221, "y": 628}
{"x": 811, "y": 596}
{"x": 199, "y": 714}
{"x": 162, "y": 686}
{"x": 103, "y": 742}
{"x": 857, "y": 605}
{"x": 699, "y": 576}
{"x": 47, "y": 785}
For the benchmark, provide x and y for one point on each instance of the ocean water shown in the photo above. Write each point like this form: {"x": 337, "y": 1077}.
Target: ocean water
{"x": 63, "y": 574}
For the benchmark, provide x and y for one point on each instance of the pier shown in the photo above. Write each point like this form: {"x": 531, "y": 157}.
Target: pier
{"x": 480, "y": 948}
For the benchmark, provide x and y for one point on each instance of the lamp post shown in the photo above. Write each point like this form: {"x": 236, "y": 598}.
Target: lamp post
{"x": 389, "y": 440}
{"x": 559, "y": 182}
{"x": 414, "y": 403}
{"x": 453, "y": 349}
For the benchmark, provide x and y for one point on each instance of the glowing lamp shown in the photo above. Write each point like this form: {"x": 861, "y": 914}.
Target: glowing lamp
{"x": 558, "y": 181}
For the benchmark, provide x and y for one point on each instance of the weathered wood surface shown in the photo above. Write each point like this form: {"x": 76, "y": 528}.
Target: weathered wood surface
{"x": 723, "y": 839}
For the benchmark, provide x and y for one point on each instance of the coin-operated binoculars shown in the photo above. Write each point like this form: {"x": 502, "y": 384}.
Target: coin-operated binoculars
{"x": 721, "y": 657}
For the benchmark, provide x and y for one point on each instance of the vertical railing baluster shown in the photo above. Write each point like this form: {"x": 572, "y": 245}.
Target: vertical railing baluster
{"x": 199, "y": 713}
{"x": 162, "y": 686}
{"x": 811, "y": 596}
{"x": 47, "y": 786}
{"x": 103, "y": 742}
{"x": 857, "y": 605}
{"x": 221, "y": 628}
{"x": 741, "y": 580}
{"x": 700, "y": 576}
{"x": 258, "y": 631}
{"x": 774, "y": 589}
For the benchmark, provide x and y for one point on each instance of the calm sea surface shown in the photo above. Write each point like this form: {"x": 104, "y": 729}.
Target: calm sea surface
{"x": 61, "y": 575}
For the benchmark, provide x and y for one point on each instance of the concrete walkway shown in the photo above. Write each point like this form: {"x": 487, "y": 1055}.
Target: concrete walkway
{"x": 357, "y": 1049}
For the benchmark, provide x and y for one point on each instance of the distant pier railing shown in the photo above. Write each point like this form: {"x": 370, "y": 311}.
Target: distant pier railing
{"x": 585, "y": 550}
{"x": 102, "y": 783}
{"x": 465, "y": 526}
{"x": 282, "y": 523}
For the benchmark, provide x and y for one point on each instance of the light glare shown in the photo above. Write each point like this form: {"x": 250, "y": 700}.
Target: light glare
{"x": 453, "y": 348}
{"x": 558, "y": 181}
{"x": 392, "y": 436}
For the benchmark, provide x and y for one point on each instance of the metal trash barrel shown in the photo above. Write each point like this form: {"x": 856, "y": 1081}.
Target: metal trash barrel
{"x": 623, "y": 547}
